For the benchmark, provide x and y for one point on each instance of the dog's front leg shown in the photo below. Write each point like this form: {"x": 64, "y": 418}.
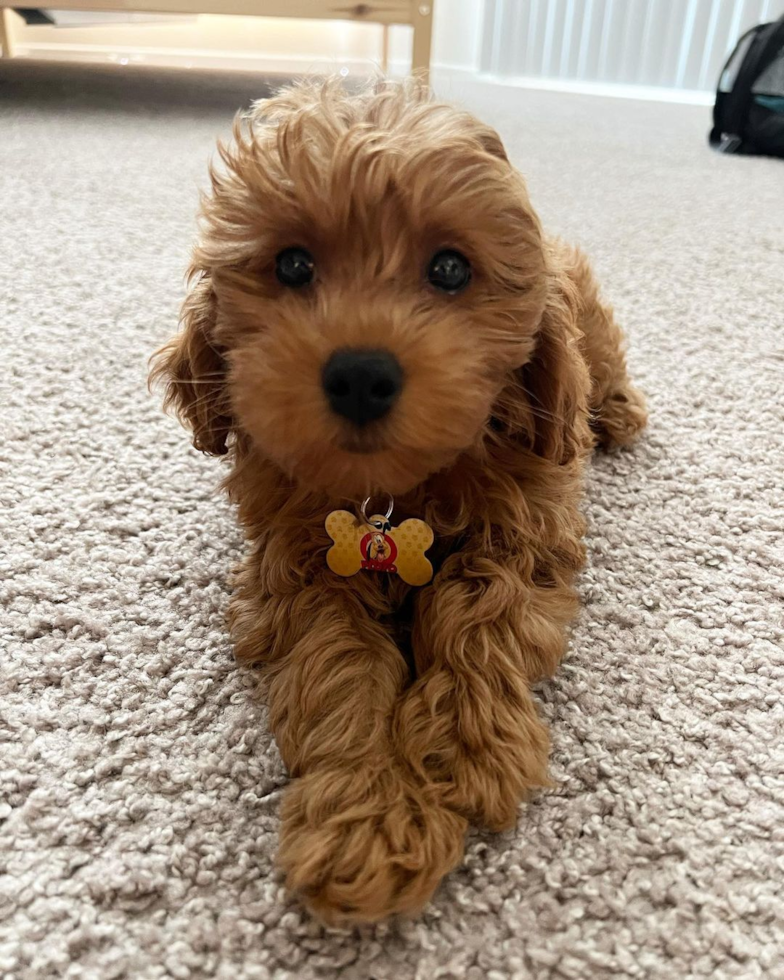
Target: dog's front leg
{"x": 359, "y": 839}
{"x": 490, "y": 625}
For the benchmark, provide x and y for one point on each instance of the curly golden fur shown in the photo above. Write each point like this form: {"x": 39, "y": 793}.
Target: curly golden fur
{"x": 508, "y": 385}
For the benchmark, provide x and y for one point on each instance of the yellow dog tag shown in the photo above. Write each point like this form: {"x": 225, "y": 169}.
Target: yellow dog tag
{"x": 374, "y": 545}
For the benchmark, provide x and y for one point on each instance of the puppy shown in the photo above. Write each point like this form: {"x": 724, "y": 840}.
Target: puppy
{"x": 375, "y": 310}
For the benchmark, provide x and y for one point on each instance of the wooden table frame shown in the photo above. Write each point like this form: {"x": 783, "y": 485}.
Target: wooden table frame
{"x": 417, "y": 13}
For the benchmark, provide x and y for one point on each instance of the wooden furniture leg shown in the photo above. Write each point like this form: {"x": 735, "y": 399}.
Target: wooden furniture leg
{"x": 422, "y": 19}
{"x": 385, "y": 48}
{"x": 6, "y": 32}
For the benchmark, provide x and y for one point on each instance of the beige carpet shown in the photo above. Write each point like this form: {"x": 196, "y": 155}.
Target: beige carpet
{"x": 139, "y": 788}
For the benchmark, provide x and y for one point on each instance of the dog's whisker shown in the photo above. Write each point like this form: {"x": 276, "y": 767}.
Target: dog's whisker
{"x": 542, "y": 413}
{"x": 537, "y": 409}
{"x": 205, "y": 399}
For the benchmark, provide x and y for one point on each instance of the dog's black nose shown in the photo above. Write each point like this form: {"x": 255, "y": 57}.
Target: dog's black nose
{"x": 362, "y": 385}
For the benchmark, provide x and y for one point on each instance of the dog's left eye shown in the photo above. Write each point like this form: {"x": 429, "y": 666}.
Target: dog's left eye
{"x": 294, "y": 267}
{"x": 449, "y": 271}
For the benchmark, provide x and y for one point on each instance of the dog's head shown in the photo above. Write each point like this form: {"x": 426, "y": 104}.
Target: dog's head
{"x": 370, "y": 276}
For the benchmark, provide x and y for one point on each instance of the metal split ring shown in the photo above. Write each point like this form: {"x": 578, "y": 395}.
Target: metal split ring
{"x": 363, "y": 510}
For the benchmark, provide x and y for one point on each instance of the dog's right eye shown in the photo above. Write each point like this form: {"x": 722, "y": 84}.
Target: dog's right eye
{"x": 449, "y": 271}
{"x": 294, "y": 267}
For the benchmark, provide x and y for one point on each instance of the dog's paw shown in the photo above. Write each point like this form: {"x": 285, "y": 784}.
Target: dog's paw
{"x": 488, "y": 789}
{"x": 359, "y": 846}
{"x": 621, "y": 418}
{"x": 482, "y": 759}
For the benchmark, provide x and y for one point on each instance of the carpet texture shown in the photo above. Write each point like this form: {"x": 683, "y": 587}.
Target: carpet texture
{"x": 139, "y": 786}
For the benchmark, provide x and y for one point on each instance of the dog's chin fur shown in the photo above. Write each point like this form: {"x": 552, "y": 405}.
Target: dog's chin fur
{"x": 351, "y": 475}
{"x": 505, "y": 385}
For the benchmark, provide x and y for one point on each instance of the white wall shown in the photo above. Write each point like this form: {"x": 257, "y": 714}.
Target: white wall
{"x": 457, "y": 37}
{"x": 458, "y": 33}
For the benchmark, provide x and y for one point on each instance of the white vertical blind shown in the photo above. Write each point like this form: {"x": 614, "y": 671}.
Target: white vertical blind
{"x": 670, "y": 43}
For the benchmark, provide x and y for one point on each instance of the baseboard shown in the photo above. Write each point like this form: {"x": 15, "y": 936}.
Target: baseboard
{"x": 283, "y": 65}
{"x": 195, "y": 58}
{"x": 647, "y": 93}
{"x": 226, "y": 60}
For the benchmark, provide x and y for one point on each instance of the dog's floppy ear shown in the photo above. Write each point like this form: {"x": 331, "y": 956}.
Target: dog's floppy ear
{"x": 194, "y": 372}
{"x": 556, "y": 384}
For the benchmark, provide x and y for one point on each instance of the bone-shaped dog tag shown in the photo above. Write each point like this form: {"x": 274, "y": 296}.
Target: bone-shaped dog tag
{"x": 375, "y": 546}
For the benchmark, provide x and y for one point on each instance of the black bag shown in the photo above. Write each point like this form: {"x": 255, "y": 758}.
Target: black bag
{"x": 749, "y": 113}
